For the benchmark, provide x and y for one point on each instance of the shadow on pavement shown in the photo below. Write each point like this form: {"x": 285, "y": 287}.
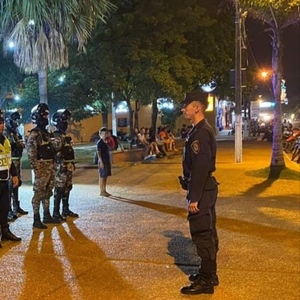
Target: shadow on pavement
{"x": 176, "y": 211}
{"x": 259, "y": 188}
{"x": 183, "y": 251}
{"x": 62, "y": 263}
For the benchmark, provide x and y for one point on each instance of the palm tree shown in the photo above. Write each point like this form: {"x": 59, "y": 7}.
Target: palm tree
{"x": 41, "y": 30}
{"x": 277, "y": 15}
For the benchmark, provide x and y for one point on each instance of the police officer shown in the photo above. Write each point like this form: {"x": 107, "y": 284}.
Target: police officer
{"x": 17, "y": 146}
{"x": 202, "y": 188}
{"x": 64, "y": 165}
{"x": 41, "y": 156}
{"x": 7, "y": 170}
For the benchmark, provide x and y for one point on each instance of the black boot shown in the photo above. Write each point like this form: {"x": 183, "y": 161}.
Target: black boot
{"x": 200, "y": 286}
{"x": 195, "y": 277}
{"x": 11, "y": 216}
{"x": 56, "y": 214}
{"x": 66, "y": 212}
{"x": 7, "y": 235}
{"x": 48, "y": 219}
{"x": 37, "y": 222}
{"x": 16, "y": 203}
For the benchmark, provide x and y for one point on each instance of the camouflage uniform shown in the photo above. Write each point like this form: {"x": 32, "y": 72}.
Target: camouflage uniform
{"x": 41, "y": 156}
{"x": 43, "y": 168}
{"x": 64, "y": 165}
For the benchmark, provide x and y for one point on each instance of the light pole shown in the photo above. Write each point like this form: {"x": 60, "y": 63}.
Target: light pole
{"x": 238, "y": 85}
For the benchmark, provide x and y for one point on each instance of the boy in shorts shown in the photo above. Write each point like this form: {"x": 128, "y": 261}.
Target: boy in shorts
{"x": 104, "y": 163}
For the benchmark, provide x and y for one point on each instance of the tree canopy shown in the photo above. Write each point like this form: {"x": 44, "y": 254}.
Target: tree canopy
{"x": 40, "y": 30}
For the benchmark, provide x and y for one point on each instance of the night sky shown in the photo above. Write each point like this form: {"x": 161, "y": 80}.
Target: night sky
{"x": 260, "y": 44}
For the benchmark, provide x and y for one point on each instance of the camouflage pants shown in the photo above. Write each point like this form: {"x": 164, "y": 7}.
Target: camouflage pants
{"x": 43, "y": 185}
{"x": 63, "y": 176}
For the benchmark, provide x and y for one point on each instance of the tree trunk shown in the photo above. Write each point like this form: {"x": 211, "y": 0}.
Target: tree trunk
{"x": 130, "y": 115}
{"x": 277, "y": 160}
{"x": 104, "y": 119}
{"x": 154, "y": 114}
{"x": 43, "y": 90}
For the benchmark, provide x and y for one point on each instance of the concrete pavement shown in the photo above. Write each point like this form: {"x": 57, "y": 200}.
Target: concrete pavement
{"x": 135, "y": 245}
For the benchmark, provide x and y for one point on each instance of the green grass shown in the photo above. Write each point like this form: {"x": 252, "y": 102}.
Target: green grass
{"x": 284, "y": 174}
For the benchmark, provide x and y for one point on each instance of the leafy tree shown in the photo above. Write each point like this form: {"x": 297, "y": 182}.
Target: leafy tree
{"x": 276, "y": 15}
{"x": 148, "y": 50}
{"x": 41, "y": 30}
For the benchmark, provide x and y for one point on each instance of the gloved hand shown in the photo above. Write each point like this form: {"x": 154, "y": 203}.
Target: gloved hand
{"x": 184, "y": 182}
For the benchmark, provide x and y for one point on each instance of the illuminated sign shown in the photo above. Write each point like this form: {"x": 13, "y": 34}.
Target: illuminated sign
{"x": 210, "y": 106}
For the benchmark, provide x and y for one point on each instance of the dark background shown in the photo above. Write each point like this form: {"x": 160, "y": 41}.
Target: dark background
{"x": 260, "y": 55}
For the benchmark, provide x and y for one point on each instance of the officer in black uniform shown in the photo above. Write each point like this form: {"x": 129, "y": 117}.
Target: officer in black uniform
{"x": 202, "y": 188}
{"x": 17, "y": 145}
{"x": 7, "y": 170}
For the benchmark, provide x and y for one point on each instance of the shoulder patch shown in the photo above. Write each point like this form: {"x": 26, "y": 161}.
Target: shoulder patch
{"x": 195, "y": 146}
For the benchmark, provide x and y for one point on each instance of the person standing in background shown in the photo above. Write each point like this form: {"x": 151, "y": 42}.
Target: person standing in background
{"x": 104, "y": 163}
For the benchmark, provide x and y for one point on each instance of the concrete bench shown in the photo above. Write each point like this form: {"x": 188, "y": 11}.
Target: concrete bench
{"x": 130, "y": 155}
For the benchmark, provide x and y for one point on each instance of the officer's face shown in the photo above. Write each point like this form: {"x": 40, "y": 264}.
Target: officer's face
{"x": 190, "y": 110}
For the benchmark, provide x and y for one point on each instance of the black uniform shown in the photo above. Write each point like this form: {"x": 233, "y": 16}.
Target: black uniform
{"x": 198, "y": 165}
{"x": 5, "y": 200}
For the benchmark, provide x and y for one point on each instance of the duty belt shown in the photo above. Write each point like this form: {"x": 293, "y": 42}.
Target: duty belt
{"x": 45, "y": 159}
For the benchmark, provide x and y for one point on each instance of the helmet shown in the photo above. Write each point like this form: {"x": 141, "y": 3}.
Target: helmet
{"x": 37, "y": 114}
{"x": 2, "y": 116}
{"x": 60, "y": 119}
{"x": 12, "y": 120}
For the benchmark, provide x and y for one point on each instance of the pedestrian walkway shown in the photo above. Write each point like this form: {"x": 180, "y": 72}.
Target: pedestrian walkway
{"x": 136, "y": 245}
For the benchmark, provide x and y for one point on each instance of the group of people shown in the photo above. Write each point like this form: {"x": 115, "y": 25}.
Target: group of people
{"x": 155, "y": 143}
{"x": 52, "y": 159}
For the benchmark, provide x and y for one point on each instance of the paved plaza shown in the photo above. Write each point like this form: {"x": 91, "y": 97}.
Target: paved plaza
{"x": 136, "y": 245}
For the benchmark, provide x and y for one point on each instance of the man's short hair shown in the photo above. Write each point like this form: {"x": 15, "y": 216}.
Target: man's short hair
{"x": 195, "y": 96}
{"x": 103, "y": 129}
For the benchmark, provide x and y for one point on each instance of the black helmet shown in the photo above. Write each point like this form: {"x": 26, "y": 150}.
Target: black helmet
{"x": 38, "y": 112}
{"x": 60, "y": 119}
{"x": 12, "y": 120}
{"x": 2, "y": 116}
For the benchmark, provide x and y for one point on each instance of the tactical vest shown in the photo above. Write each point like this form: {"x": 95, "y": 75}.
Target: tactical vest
{"x": 67, "y": 151}
{"x": 5, "y": 159}
{"x": 16, "y": 145}
{"x": 45, "y": 150}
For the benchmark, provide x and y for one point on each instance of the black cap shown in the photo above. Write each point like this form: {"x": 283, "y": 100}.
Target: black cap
{"x": 195, "y": 96}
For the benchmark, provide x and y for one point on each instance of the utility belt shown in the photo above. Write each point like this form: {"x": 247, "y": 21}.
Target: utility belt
{"x": 5, "y": 179}
{"x": 41, "y": 159}
{"x": 16, "y": 158}
{"x": 66, "y": 161}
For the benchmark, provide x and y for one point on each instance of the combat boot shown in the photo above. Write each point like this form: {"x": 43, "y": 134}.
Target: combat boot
{"x": 7, "y": 235}
{"x": 195, "y": 277}
{"x": 66, "y": 212}
{"x": 56, "y": 214}
{"x": 200, "y": 286}
{"x": 37, "y": 222}
{"x": 48, "y": 219}
{"x": 11, "y": 216}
